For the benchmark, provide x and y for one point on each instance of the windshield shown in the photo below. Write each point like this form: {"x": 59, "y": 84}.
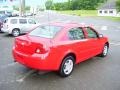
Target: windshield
{"x": 47, "y": 31}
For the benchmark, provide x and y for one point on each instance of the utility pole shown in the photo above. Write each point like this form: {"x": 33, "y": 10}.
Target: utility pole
{"x": 22, "y": 8}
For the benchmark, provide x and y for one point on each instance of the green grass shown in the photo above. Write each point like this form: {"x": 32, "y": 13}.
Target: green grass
{"x": 85, "y": 13}
{"x": 80, "y": 12}
{"x": 112, "y": 18}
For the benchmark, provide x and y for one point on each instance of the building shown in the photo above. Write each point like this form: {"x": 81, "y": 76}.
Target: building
{"x": 108, "y": 9}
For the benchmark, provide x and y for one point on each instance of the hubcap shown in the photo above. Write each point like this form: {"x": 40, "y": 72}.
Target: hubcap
{"x": 105, "y": 50}
{"x": 68, "y": 66}
{"x": 15, "y": 32}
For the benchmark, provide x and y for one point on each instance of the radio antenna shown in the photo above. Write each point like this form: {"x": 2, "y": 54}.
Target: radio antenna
{"x": 48, "y": 14}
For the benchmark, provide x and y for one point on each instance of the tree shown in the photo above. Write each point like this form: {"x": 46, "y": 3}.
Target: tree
{"x": 16, "y": 8}
{"x": 78, "y": 4}
{"x": 48, "y": 4}
{"x": 118, "y": 5}
{"x": 27, "y": 8}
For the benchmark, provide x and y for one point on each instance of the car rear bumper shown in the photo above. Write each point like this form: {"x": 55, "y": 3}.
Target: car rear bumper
{"x": 5, "y": 30}
{"x": 35, "y": 61}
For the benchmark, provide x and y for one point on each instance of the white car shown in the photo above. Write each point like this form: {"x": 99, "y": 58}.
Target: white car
{"x": 18, "y": 25}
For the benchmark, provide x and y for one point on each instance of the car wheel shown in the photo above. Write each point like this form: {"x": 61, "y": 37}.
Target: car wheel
{"x": 16, "y": 32}
{"x": 67, "y": 66}
{"x": 104, "y": 51}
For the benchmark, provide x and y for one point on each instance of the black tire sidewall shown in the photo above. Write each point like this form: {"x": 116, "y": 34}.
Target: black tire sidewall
{"x": 61, "y": 71}
{"x": 15, "y": 30}
{"x": 102, "y": 54}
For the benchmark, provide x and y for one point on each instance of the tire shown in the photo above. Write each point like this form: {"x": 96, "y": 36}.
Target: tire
{"x": 16, "y": 32}
{"x": 67, "y": 66}
{"x": 104, "y": 51}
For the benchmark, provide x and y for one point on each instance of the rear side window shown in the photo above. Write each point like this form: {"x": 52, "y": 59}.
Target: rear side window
{"x": 47, "y": 31}
{"x": 22, "y": 21}
{"x": 13, "y": 21}
{"x": 76, "y": 34}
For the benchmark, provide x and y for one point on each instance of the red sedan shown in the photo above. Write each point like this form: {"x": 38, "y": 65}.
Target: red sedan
{"x": 59, "y": 46}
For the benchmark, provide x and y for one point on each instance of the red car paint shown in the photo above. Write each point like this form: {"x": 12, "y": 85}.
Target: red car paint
{"x": 47, "y": 53}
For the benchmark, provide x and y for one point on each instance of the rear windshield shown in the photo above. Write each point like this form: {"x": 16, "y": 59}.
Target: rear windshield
{"x": 47, "y": 31}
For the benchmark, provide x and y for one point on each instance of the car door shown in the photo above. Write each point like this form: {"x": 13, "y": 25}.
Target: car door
{"x": 79, "y": 43}
{"x": 23, "y": 25}
{"x": 94, "y": 41}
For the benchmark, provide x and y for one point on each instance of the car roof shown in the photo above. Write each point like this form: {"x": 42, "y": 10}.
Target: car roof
{"x": 70, "y": 24}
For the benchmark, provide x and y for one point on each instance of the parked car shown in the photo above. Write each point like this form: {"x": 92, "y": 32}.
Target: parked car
{"x": 29, "y": 14}
{"x": 59, "y": 46}
{"x": 7, "y": 13}
{"x": 2, "y": 18}
{"x": 15, "y": 13}
{"x": 18, "y": 25}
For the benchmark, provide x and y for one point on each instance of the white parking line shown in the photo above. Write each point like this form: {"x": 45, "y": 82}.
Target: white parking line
{"x": 7, "y": 82}
{"x": 116, "y": 30}
{"x": 104, "y": 28}
{"x": 8, "y": 65}
{"x": 115, "y": 44}
{"x": 25, "y": 76}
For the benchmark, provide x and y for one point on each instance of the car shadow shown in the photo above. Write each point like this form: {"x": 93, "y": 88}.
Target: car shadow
{"x": 8, "y": 35}
{"x": 1, "y": 32}
{"x": 53, "y": 75}
{"x": 27, "y": 75}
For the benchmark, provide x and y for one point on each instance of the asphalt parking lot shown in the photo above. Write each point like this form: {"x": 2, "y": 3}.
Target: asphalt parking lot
{"x": 94, "y": 74}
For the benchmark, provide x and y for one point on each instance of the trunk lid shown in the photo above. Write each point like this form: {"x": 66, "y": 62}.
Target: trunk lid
{"x": 28, "y": 44}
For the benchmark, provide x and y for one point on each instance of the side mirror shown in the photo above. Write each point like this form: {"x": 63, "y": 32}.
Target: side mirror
{"x": 100, "y": 35}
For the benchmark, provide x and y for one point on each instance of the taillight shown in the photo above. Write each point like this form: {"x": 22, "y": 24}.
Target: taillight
{"x": 41, "y": 50}
{"x": 38, "y": 51}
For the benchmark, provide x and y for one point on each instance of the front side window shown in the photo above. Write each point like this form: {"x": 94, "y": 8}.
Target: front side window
{"x": 22, "y": 21}
{"x": 14, "y": 21}
{"x": 76, "y": 34}
{"x": 91, "y": 33}
{"x": 47, "y": 31}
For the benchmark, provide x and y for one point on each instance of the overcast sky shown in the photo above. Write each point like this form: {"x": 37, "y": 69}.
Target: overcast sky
{"x": 33, "y": 2}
